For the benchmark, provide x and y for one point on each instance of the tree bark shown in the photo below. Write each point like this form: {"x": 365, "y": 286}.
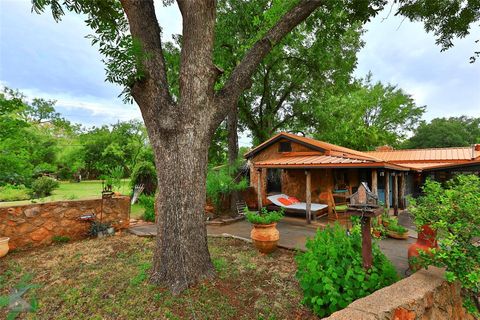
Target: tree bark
{"x": 232, "y": 124}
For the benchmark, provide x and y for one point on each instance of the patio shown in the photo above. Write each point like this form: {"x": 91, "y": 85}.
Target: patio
{"x": 293, "y": 235}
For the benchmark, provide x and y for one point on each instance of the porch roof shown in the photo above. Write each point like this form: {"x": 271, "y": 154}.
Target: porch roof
{"x": 325, "y": 161}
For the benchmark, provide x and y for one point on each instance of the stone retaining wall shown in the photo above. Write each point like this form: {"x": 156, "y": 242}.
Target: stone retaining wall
{"x": 37, "y": 224}
{"x": 424, "y": 295}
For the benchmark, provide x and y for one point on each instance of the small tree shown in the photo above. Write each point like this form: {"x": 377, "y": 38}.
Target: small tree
{"x": 453, "y": 210}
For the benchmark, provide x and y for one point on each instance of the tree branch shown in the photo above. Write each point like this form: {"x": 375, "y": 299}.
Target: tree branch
{"x": 241, "y": 75}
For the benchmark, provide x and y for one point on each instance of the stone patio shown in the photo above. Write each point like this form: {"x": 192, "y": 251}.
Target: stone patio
{"x": 293, "y": 235}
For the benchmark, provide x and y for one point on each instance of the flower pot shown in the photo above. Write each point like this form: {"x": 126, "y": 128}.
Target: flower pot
{"x": 397, "y": 235}
{"x": 427, "y": 239}
{"x": 377, "y": 234}
{"x": 4, "y": 246}
{"x": 265, "y": 237}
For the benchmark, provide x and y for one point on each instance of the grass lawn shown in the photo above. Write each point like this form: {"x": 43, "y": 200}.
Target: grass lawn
{"x": 86, "y": 189}
{"x": 108, "y": 279}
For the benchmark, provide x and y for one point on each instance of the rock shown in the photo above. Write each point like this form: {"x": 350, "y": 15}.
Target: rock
{"x": 39, "y": 234}
{"x": 32, "y": 212}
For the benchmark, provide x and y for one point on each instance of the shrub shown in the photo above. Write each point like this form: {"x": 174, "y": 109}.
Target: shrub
{"x": 43, "y": 187}
{"x": 60, "y": 239}
{"x": 14, "y": 193}
{"x": 144, "y": 173}
{"x": 331, "y": 272}
{"x": 148, "y": 203}
{"x": 265, "y": 217}
{"x": 395, "y": 227}
{"x": 221, "y": 183}
{"x": 453, "y": 211}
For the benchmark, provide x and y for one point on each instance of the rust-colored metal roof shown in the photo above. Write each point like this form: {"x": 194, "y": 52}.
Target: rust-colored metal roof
{"x": 322, "y": 161}
{"x": 424, "y": 155}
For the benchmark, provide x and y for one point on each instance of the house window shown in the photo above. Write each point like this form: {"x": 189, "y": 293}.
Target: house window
{"x": 285, "y": 146}
{"x": 274, "y": 180}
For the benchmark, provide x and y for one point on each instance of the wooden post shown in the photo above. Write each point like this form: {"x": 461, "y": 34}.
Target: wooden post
{"x": 403, "y": 204}
{"x": 387, "y": 190}
{"x": 308, "y": 196}
{"x": 366, "y": 243}
{"x": 259, "y": 189}
{"x": 395, "y": 194}
{"x": 374, "y": 181}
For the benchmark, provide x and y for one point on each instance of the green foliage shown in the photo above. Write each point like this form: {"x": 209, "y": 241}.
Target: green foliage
{"x": 60, "y": 239}
{"x": 144, "y": 173}
{"x": 43, "y": 187}
{"x": 445, "y": 132}
{"x": 394, "y": 226}
{"x": 366, "y": 116}
{"x": 142, "y": 274}
{"x": 97, "y": 227}
{"x": 14, "y": 193}
{"x": 148, "y": 203}
{"x": 221, "y": 183}
{"x": 452, "y": 210}
{"x": 331, "y": 272}
{"x": 265, "y": 217}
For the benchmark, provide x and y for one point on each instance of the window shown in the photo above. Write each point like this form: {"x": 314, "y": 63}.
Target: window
{"x": 285, "y": 146}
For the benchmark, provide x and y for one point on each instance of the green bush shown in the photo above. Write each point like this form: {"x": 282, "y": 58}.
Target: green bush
{"x": 453, "y": 211}
{"x": 148, "y": 203}
{"x": 14, "y": 193}
{"x": 144, "y": 173}
{"x": 265, "y": 217}
{"x": 221, "y": 183}
{"x": 43, "y": 187}
{"x": 60, "y": 239}
{"x": 331, "y": 272}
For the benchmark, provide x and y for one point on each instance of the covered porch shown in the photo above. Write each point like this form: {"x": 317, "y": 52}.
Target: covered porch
{"x": 322, "y": 182}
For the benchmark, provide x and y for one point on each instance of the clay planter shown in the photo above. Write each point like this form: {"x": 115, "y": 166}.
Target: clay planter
{"x": 427, "y": 239}
{"x": 4, "y": 246}
{"x": 265, "y": 237}
{"x": 397, "y": 235}
{"x": 377, "y": 234}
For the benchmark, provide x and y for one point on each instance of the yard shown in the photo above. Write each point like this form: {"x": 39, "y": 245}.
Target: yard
{"x": 107, "y": 279}
{"x": 86, "y": 189}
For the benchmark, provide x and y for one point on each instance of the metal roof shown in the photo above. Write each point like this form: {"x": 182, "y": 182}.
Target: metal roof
{"x": 431, "y": 154}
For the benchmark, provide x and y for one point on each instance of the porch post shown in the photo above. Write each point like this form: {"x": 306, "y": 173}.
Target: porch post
{"x": 259, "y": 189}
{"x": 374, "y": 181}
{"x": 387, "y": 189}
{"x": 402, "y": 190}
{"x": 395, "y": 194}
{"x": 308, "y": 197}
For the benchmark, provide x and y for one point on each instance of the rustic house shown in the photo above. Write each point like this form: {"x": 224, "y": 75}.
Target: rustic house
{"x": 319, "y": 172}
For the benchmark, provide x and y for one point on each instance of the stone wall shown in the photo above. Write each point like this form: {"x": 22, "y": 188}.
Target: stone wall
{"x": 424, "y": 295}
{"x": 37, "y": 224}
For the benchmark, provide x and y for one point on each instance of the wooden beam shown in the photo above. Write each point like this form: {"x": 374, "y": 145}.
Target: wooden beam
{"x": 308, "y": 196}
{"x": 395, "y": 194}
{"x": 366, "y": 243}
{"x": 402, "y": 191}
{"x": 374, "y": 181}
{"x": 387, "y": 189}
{"x": 259, "y": 189}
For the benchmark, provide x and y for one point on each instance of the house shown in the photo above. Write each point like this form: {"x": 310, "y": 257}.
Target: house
{"x": 291, "y": 164}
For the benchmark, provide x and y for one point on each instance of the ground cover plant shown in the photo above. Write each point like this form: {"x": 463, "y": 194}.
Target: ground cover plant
{"x": 107, "y": 279}
{"x": 331, "y": 272}
{"x": 265, "y": 216}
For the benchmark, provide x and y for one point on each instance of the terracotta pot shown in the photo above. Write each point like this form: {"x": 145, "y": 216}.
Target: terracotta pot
{"x": 265, "y": 237}
{"x": 397, "y": 235}
{"x": 4, "y": 246}
{"x": 377, "y": 234}
{"x": 427, "y": 239}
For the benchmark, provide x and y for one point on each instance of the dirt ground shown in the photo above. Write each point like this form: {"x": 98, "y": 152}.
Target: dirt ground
{"x": 108, "y": 279}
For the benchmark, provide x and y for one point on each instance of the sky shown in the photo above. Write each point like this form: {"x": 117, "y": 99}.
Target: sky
{"x": 55, "y": 61}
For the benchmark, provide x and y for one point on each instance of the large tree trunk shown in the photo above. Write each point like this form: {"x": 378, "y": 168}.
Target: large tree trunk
{"x": 232, "y": 124}
{"x": 181, "y": 256}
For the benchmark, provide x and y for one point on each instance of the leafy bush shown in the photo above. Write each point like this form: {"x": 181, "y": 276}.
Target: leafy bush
{"x": 265, "y": 217}
{"x": 144, "y": 173}
{"x": 60, "y": 239}
{"x": 395, "y": 227}
{"x": 148, "y": 203}
{"x": 43, "y": 187}
{"x": 331, "y": 272}
{"x": 14, "y": 193}
{"x": 453, "y": 211}
{"x": 221, "y": 183}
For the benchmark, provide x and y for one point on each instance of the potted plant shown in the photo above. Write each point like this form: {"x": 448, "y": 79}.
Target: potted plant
{"x": 100, "y": 229}
{"x": 4, "y": 246}
{"x": 264, "y": 232}
{"x": 396, "y": 231}
{"x": 378, "y": 230}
